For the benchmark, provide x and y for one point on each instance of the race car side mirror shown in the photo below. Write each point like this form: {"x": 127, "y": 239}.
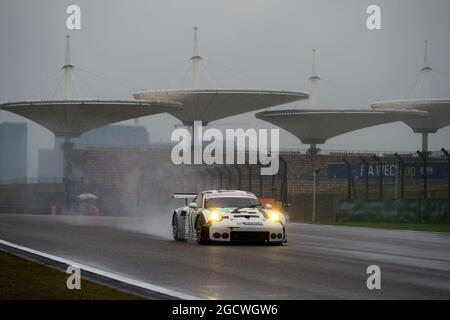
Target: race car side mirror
{"x": 268, "y": 206}
{"x": 193, "y": 205}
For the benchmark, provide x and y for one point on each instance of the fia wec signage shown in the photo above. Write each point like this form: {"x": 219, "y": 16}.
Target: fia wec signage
{"x": 413, "y": 170}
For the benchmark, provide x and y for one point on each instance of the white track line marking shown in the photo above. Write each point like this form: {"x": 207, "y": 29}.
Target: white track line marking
{"x": 102, "y": 273}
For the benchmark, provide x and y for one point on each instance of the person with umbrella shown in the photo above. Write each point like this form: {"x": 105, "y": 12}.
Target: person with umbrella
{"x": 86, "y": 204}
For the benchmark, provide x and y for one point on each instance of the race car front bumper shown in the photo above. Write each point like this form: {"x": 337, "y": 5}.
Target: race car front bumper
{"x": 247, "y": 232}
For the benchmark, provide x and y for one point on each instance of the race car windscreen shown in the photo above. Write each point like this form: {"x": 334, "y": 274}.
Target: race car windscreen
{"x": 231, "y": 202}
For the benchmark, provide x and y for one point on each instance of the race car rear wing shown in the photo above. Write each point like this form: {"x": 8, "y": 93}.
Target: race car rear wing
{"x": 184, "y": 195}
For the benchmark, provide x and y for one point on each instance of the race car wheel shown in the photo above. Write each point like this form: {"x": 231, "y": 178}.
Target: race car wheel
{"x": 200, "y": 226}
{"x": 175, "y": 229}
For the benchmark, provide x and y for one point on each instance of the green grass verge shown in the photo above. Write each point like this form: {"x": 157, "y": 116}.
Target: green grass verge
{"x": 23, "y": 279}
{"x": 432, "y": 227}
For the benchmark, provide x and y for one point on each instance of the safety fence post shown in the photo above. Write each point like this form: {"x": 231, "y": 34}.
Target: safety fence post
{"x": 424, "y": 157}
{"x": 380, "y": 183}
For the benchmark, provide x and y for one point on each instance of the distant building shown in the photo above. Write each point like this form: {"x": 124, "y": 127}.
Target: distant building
{"x": 50, "y": 163}
{"x": 13, "y": 150}
{"x": 116, "y": 136}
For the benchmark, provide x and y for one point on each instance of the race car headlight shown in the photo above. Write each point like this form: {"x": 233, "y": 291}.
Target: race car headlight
{"x": 215, "y": 216}
{"x": 275, "y": 217}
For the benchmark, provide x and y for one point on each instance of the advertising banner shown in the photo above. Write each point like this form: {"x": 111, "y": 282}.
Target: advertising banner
{"x": 413, "y": 170}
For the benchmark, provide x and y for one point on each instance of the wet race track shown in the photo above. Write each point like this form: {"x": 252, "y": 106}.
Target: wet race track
{"x": 318, "y": 262}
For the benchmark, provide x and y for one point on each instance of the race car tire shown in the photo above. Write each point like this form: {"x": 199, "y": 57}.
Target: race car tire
{"x": 175, "y": 229}
{"x": 201, "y": 230}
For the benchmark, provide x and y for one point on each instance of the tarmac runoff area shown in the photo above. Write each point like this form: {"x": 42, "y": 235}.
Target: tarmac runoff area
{"x": 318, "y": 262}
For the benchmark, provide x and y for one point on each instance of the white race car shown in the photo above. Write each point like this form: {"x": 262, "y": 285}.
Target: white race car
{"x": 227, "y": 216}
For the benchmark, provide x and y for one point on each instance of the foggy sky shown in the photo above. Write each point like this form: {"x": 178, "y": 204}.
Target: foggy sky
{"x": 146, "y": 44}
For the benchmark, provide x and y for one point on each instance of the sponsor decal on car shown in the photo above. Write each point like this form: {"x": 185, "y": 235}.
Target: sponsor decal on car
{"x": 252, "y": 223}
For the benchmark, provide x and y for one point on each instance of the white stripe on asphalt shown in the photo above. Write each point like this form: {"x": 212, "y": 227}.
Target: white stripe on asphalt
{"x": 102, "y": 273}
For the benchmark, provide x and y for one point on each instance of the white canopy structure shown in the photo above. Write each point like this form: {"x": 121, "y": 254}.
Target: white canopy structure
{"x": 212, "y": 104}
{"x": 438, "y": 115}
{"x": 438, "y": 109}
{"x": 208, "y": 105}
{"x": 316, "y": 126}
{"x": 71, "y": 118}
{"x": 438, "y": 112}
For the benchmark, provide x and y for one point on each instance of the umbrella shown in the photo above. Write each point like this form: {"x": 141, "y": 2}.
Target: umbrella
{"x": 85, "y": 196}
